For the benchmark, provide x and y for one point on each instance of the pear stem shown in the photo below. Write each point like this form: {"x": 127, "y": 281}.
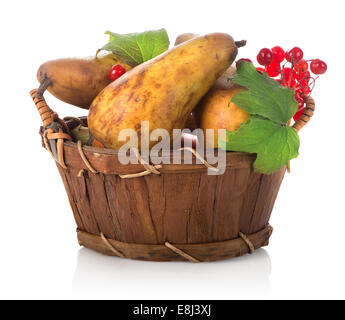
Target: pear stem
{"x": 43, "y": 86}
{"x": 241, "y": 43}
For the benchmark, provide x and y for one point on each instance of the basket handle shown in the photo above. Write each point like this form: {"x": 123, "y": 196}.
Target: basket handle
{"x": 306, "y": 115}
{"x": 47, "y": 114}
{"x": 55, "y": 129}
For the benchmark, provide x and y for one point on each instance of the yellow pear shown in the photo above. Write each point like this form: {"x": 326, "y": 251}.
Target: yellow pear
{"x": 163, "y": 90}
{"x": 216, "y": 111}
{"x": 185, "y": 37}
{"x": 78, "y": 80}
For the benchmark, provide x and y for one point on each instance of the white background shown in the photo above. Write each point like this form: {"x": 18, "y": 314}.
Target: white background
{"x": 39, "y": 254}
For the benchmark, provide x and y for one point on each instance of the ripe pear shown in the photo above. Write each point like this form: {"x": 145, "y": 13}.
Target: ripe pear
{"x": 191, "y": 121}
{"x": 216, "y": 111}
{"x": 78, "y": 80}
{"x": 185, "y": 37}
{"x": 163, "y": 90}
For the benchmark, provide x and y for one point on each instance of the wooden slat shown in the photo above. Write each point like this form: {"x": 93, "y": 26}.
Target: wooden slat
{"x": 77, "y": 215}
{"x": 266, "y": 196}
{"x": 81, "y": 198}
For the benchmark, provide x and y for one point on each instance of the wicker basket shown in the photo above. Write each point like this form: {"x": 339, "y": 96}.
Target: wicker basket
{"x": 162, "y": 213}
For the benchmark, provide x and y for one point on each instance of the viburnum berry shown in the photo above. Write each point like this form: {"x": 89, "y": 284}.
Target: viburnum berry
{"x": 294, "y": 55}
{"x": 243, "y": 59}
{"x": 278, "y": 54}
{"x": 299, "y": 92}
{"x": 299, "y": 97}
{"x": 291, "y": 83}
{"x": 287, "y": 71}
{"x": 288, "y": 74}
{"x": 306, "y": 90}
{"x": 273, "y": 69}
{"x": 301, "y": 66}
{"x": 303, "y": 75}
{"x": 317, "y": 66}
{"x": 298, "y": 114}
{"x": 302, "y": 91}
{"x": 116, "y": 72}
{"x": 304, "y": 83}
{"x": 264, "y": 57}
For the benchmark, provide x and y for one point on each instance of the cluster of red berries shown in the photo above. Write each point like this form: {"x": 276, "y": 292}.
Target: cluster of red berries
{"x": 296, "y": 76}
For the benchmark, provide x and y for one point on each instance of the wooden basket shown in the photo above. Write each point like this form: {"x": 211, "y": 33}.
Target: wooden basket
{"x": 162, "y": 213}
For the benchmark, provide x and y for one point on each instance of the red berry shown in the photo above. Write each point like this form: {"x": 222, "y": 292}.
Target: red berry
{"x": 299, "y": 97}
{"x": 273, "y": 69}
{"x": 290, "y": 83}
{"x": 304, "y": 83}
{"x": 278, "y": 54}
{"x": 287, "y": 75}
{"x": 303, "y": 75}
{"x": 300, "y": 101}
{"x": 306, "y": 90}
{"x": 116, "y": 72}
{"x": 317, "y": 66}
{"x": 301, "y": 66}
{"x": 303, "y": 91}
{"x": 298, "y": 114}
{"x": 294, "y": 73}
{"x": 303, "y": 80}
{"x": 264, "y": 57}
{"x": 299, "y": 93}
{"x": 294, "y": 55}
{"x": 243, "y": 59}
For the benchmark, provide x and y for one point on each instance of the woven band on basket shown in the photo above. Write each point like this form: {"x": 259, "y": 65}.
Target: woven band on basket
{"x": 199, "y": 157}
{"x": 181, "y": 252}
{"x": 196, "y": 252}
{"x": 177, "y": 250}
{"x": 149, "y": 168}
{"x": 247, "y": 241}
{"x": 117, "y": 252}
{"x": 167, "y": 244}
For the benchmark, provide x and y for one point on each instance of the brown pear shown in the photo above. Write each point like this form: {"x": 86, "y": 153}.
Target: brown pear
{"x": 217, "y": 111}
{"x": 78, "y": 80}
{"x": 185, "y": 37}
{"x": 163, "y": 90}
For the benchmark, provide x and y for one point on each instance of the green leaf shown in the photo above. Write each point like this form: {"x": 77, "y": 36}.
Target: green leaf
{"x": 136, "y": 48}
{"x": 265, "y": 96}
{"x": 273, "y": 143}
{"x": 266, "y": 132}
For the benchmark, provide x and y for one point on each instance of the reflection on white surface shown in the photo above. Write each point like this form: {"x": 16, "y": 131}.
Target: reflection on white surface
{"x": 117, "y": 278}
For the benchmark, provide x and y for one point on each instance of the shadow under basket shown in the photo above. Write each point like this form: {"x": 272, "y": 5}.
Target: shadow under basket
{"x": 173, "y": 212}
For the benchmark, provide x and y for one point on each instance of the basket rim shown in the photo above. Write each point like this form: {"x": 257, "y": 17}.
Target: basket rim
{"x": 106, "y": 161}
{"x": 107, "y": 151}
{"x": 115, "y": 152}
